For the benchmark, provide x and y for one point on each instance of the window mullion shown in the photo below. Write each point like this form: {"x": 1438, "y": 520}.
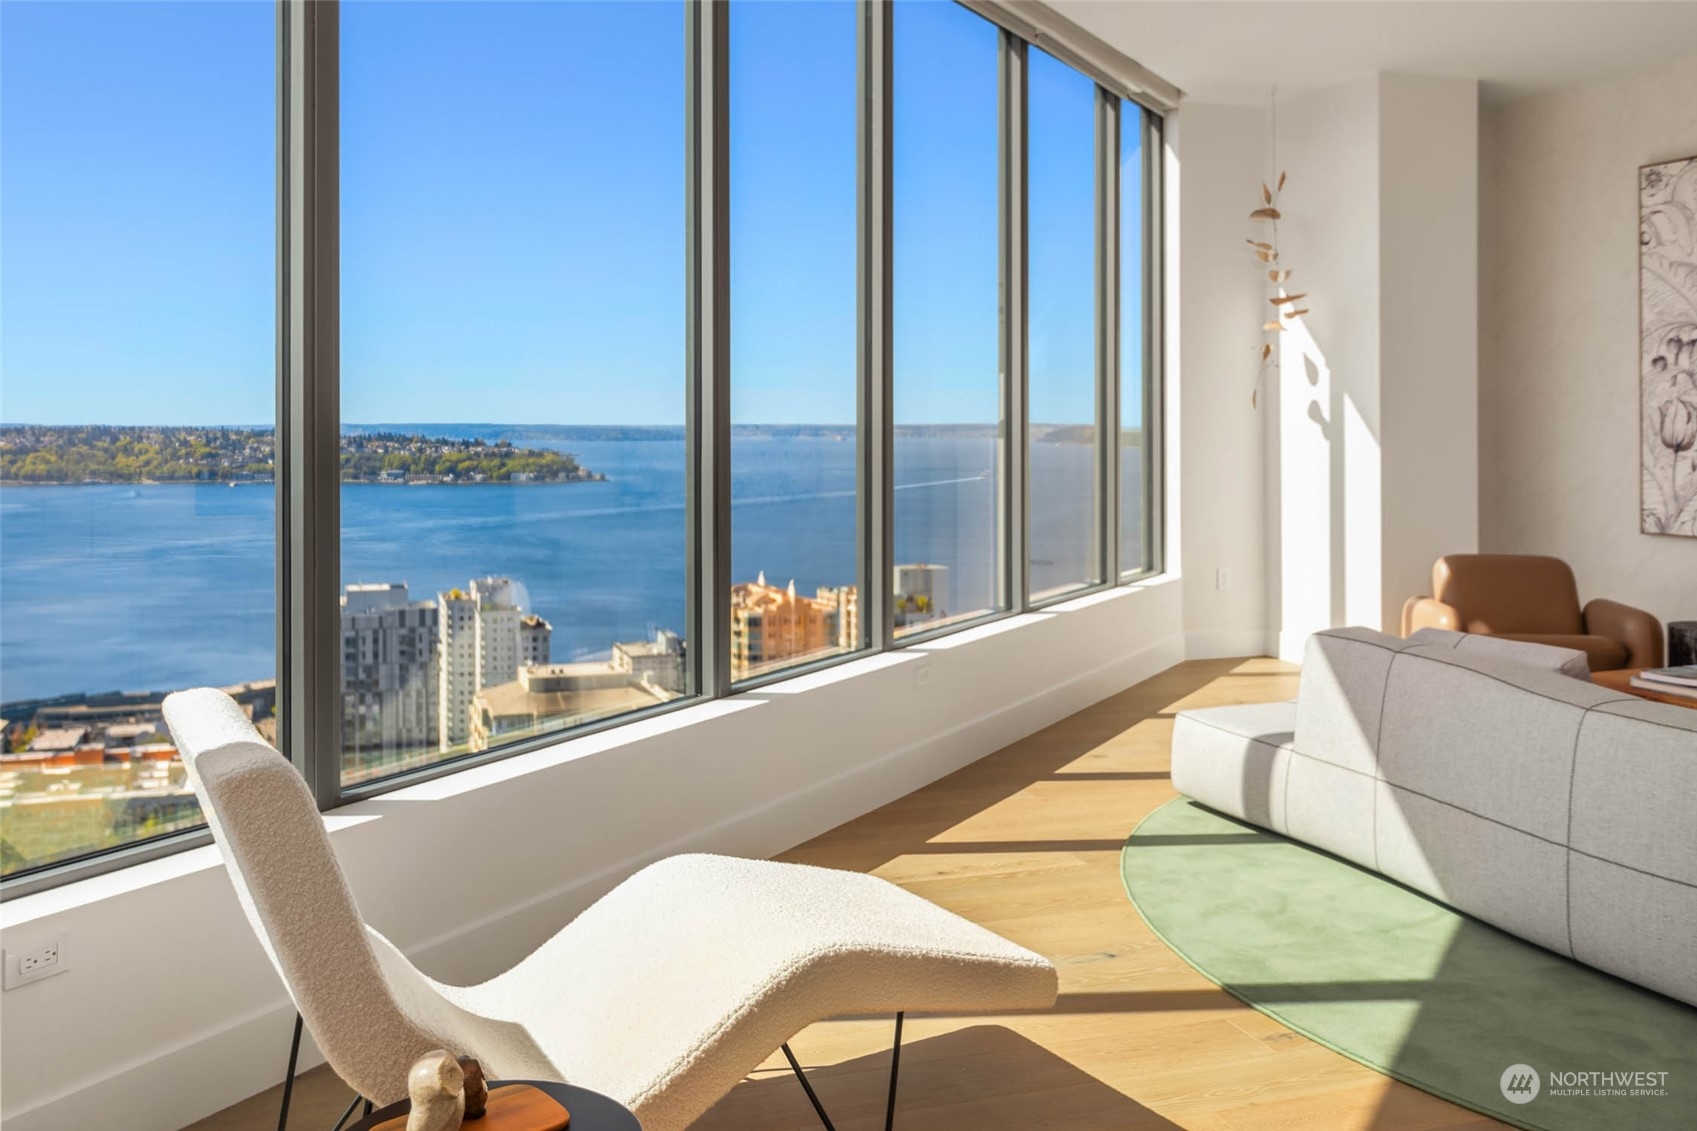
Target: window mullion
{"x": 708, "y": 429}
{"x": 308, "y": 448}
{"x": 1015, "y": 512}
{"x": 876, "y": 485}
{"x": 1154, "y": 348}
{"x": 1108, "y": 446}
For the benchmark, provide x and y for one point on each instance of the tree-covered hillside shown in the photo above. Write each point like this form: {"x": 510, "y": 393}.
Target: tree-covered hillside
{"x": 107, "y": 454}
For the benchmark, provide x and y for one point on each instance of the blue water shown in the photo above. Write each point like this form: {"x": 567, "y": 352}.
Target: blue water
{"x": 152, "y": 587}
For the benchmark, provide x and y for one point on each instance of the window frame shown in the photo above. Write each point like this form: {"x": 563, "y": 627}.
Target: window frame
{"x": 873, "y": 445}
{"x": 1106, "y": 340}
{"x": 308, "y": 551}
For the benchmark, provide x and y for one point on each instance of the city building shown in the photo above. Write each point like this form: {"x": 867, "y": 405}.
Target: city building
{"x": 546, "y": 694}
{"x": 486, "y": 635}
{"x": 389, "y": 677}
{"x": 536, "y": 638}
{"x": 843, "y": 601}
{"x": 59, "y": 740}
{"x": 921, "y": 593}
{"x": 97, "y": 709}
{"x": 659, "y": 661}
{"x": 771, "y": 624}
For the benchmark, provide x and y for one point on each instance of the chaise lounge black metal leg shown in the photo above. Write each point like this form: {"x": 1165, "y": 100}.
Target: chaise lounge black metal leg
{"x": 289, "y": 1077}
{"x": 289, "y": 1086}
{"x": 349, "y": 1110}
{"x": 795, "y": 1066}
{"x": 813, "y": 1097}
{"x": 895, "y": 1064}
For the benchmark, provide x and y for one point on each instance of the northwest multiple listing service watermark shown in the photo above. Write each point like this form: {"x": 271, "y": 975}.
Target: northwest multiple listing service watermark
{"x": 1522, "y": 1084}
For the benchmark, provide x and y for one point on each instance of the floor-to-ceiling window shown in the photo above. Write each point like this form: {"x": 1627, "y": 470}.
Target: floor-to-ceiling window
{"x": 1062, "y": 238}
{"x": 1138, "y": 370}
{"x": 513, "y": 372}
{"x": 950, "y": 469}
{"x": 795, "y": 436}
{"x": 672, "y": 346}
{"x": 137, "y": 297}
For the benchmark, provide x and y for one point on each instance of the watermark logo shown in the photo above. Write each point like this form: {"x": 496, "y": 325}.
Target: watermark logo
{"x": 1519, "y": 1084}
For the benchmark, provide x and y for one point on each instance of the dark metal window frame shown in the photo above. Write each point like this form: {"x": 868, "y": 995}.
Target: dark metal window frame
{"x": 308, "y": 553}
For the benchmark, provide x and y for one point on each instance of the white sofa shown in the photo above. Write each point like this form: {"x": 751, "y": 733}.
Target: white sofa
{"x": 1489, "y": 774}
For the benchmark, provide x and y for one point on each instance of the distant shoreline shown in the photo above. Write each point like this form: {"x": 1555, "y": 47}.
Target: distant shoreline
{"x": 596, "y": 477}
{"x": 397, "y": 455}
{"x": 102, "y": 455}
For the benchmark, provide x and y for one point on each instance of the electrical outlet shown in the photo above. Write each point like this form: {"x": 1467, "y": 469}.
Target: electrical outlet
{"x": 922, "y": 675}
{"x": 27, "y": 966}
{"x": 1222, "y": 578}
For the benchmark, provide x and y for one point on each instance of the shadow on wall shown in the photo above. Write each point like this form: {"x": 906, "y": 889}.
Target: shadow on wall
{"x": 1325, "y": 523}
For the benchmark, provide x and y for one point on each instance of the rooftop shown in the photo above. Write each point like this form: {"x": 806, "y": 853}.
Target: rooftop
{"x": 551, "y": 690}
{"x": 57, "y": 739}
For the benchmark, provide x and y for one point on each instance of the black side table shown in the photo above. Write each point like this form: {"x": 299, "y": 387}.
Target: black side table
{"x": 591, "y": 1111}
{"x": 1682, "y": 642}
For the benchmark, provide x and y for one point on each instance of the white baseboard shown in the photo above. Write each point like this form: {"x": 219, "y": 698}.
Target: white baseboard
{"x": 179, "y": 1085}
{"x": 1217, "y": 644}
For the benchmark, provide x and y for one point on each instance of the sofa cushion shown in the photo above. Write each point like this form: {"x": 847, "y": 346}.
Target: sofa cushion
{"x": 1506, "y": 877}
{"x": 1491, "y": 737}
{"x": 1605, "y": 654}
{"x": 1330, "y": 807}
{"x": 1234, "y": 759}
{"x": 1635, "y": 788}
{"x": 1341, "y": 694}
{"x": 1633, "y": 925}
{"x": 1569, "y": 661}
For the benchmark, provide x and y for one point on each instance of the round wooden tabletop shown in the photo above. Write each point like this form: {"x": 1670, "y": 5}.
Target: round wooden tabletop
{"x": 1621, "y": 680}
{"x": 590, "y": 1111}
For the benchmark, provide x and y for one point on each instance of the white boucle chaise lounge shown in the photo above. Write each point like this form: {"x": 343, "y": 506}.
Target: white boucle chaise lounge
{"x": 662, "y": 995}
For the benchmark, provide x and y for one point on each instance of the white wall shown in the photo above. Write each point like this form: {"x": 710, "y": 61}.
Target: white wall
{"x": 1429, "y": 328}
{"x": 1558, "y": 397}
{"x": 1374, "y": 455}
{"x": 1215, "y": 298}
{"x": 1327, "y": 448}
{"x": 169, "y": 1010}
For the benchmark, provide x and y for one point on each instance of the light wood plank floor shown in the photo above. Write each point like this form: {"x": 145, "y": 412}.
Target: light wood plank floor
{"x": 1027, "y": 842}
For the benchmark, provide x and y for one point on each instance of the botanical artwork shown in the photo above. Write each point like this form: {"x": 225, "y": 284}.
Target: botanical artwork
{"x": 1667, "y": 196}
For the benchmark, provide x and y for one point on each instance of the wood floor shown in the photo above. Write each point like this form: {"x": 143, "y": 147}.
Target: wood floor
{"x": 1027, "y": 842}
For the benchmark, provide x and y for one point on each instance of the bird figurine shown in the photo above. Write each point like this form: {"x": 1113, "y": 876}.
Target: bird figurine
{"x": 436, "y": 1084}
{"x": 476, "y": 1088}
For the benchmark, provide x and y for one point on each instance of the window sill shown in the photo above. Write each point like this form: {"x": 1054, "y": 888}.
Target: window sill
{"x": 143, "y": 875}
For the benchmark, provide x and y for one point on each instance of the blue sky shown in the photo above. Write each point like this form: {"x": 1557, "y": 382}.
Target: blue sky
{"x": 513, "y": 214}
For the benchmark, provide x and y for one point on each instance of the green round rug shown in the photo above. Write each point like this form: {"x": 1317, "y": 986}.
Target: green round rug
{"x": 1407, "y": 986}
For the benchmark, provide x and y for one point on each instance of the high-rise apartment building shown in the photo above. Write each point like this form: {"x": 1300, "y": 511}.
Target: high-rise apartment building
{"x": 389, "y": 678}
{"x": 487, "y": 634}
{"x": 769, "y": 624}
{"x": 843, "y": 601}
{"x": 536, "y": 638}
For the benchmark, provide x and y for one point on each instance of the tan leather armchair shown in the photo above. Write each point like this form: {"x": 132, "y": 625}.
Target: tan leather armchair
{"x": 1525, "y": 597}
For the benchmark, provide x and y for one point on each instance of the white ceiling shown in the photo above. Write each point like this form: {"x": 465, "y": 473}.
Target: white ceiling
{"x": 1235, "y": 51}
